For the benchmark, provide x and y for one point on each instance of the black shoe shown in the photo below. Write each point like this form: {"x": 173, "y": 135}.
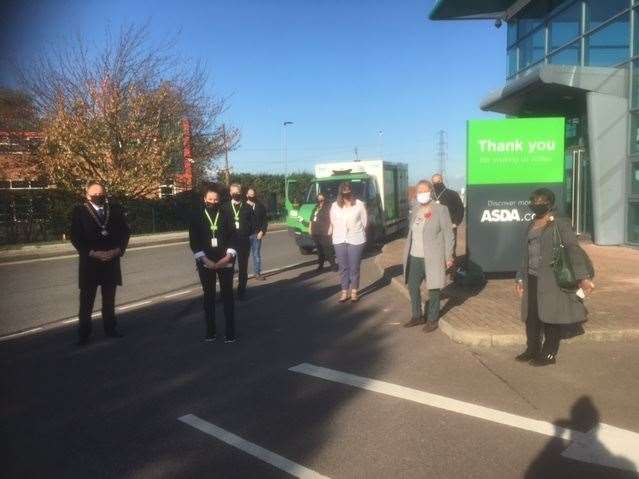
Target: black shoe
{"x": 544, "y": 360}
{"x": 430, "y": 326}
{"x": 114, "y": 334}
{"x": 260, "y": 277}
{"x": 229, "y": 340}
{"x": 413, "y": 322}
{"x": 526, "y": 356}
{"x": 209, "y": 339}
{"x": 83, "y": 341}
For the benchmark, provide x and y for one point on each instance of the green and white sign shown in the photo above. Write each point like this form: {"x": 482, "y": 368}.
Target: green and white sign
{"x": 507, "y": 160}
{"x": 516, "y": 151}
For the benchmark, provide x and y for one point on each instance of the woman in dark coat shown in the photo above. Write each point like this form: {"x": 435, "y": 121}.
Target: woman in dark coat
{"x": 320, "y": 229}
{"x": 545, "y": 307}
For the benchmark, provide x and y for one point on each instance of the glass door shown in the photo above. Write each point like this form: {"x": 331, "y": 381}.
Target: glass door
{"x": 578, "y": 190}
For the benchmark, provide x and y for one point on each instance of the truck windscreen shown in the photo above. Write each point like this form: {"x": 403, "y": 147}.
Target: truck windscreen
{"x": 329, "y": 190}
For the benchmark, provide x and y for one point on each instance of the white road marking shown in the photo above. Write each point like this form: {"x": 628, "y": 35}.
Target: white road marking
{"x": 606, "y": 445}
{"x": 134, "y": 305}
{"x": 70, "y": 320}
{"x": 130, "y": 249}
{"x": 294, "y": 469}
{"x": 22, "y": 333}
{"x": 179, "y": 293}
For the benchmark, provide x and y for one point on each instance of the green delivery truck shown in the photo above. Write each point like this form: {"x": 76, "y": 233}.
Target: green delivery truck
{"x": 381, "y": 185}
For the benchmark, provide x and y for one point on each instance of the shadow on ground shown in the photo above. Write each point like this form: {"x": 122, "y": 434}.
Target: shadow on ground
{"x": 111, "y": 409}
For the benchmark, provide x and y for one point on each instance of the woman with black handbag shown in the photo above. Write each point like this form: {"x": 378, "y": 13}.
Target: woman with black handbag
{"x": 555, "y": 276}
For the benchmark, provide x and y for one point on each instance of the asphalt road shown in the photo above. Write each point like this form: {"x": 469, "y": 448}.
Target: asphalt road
{"x": 111, "y": 409}
{"x": 37, "y": 292}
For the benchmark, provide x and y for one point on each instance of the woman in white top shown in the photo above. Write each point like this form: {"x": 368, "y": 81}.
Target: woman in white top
{"x": 348, "y": 223}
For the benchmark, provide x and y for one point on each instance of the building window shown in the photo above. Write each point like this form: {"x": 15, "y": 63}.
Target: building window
{"x": 570, "y": 55}
{"x": 634, "y": 132}
{"x": 600, "y": 11}
{"x": 512, "y": 33}
{"x": 532, "y": 49}
{"x": 512, "y": 62}
{"x": 610, "y": 45}
{"x": 527, "y": 25}
{"x": 635, "y": 84}
{"x": 634, "y": 179}
{"x": 564, "y": 27}
{"x": 633, "y": 223}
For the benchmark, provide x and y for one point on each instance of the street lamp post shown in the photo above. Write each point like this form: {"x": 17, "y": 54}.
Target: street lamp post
{"x": 285, "y": 146}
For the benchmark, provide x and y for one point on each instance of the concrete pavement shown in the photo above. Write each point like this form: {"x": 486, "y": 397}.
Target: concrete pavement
{"x": 112, "y": 409}
{"x": 489, "y": 315}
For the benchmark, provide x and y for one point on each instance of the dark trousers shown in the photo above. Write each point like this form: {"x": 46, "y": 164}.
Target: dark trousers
{"x": 324, "y": 250}
{"x": 535, "y": 328}
{"x": 243, "y": 253}
{"x": 455, "y": 243}
{"x": 208, "y": 279}
{"x": 87, "y": 300}
{"x": 416, "y": 276}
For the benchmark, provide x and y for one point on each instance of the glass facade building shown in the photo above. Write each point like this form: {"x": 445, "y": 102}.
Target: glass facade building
{"x": 578, "y": 59}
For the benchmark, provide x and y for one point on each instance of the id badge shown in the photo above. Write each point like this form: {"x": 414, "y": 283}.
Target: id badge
{"x": 237, "y": 225}
{"x": 213, "y": 242}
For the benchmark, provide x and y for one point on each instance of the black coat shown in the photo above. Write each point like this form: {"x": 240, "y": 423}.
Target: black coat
{"x": 260, "y": 222}
{"x": 321, "y": 220}
{"x": 246, "y": 218}
{"x": 452, "y": 200}
{"x": 86, "y": 236}
{"x": 200, "y": 234}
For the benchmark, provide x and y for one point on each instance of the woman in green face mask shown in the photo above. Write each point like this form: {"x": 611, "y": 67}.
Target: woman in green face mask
{"x": 545, "y": 307}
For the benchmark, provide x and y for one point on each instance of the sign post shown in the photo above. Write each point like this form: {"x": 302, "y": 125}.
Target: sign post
{"x": 506, "y": 161}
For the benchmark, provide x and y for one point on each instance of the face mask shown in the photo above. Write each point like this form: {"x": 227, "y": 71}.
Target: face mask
{"x": 210, "y": 206}
{"x": 98, "y": 199}
{"x": 438, "y": 187}
{"x": 423, "y": 198}
{"x": 236, "y": 196}
{"x": 539, "y": 209}
{"x": 250, "y": 198}
{"x": 347, "y": 196}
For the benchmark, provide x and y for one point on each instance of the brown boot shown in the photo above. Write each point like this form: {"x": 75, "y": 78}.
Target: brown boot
{"x": 413, "y": 322}
{"x": 430, "y": 326}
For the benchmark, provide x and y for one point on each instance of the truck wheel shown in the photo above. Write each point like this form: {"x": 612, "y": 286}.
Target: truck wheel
{"x": 305, "y": 250}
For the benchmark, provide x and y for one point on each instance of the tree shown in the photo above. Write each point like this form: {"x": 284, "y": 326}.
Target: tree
{"x": 116, "y": 116}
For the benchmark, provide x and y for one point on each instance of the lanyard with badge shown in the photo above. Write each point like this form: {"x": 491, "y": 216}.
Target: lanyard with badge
{"x": 236, "y": 215}
{"x": 213, "y": 225}
{"x": 438, "y": 196}
{"x": 101, "y": 224}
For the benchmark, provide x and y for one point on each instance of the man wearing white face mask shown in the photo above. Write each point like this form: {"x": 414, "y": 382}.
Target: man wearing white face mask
{"x": 427, "y": 255}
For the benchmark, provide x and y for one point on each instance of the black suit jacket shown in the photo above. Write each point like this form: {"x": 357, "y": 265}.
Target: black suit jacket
{"x": 452, "y": 200}
{"x": 86, "y": 236}
{"x": 200, "y": 234}
{"x": 246, "y": 217}
{"x": 260, "y": 222}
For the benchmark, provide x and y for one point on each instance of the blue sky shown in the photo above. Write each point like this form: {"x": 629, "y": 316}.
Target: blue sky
{"x": 340, "y": 70}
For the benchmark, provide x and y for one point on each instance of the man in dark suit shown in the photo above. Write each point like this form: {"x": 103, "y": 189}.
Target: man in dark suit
{"x": 260, "y": 225}
{"x": 212, "y": 237}
{"x": 243, "y": 220}
{"x": 100, "y": 234}
{"x": 450, "y": 199}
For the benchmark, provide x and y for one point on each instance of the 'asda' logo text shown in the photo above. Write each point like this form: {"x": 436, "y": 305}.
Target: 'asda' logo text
{"x": 504, "y": 216}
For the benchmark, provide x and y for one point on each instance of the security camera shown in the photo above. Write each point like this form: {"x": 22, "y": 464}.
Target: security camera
{"x": 498, "y": 23}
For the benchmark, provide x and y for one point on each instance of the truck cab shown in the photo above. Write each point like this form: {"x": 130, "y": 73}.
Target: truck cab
{"x": 364, "y": 188}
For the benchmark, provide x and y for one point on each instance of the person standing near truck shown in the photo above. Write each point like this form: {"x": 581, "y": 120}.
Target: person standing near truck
{"x": 243, "y": 218}
{"x": 260, "y": 224}
{"x": 348, "y": 222}
{"x": 320, "y": 230}
{"x": 450, "y": 199}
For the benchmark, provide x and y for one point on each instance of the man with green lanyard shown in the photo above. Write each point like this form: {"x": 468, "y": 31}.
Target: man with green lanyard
{"x": 243, "y": 219}
{"x": 211, "y": 237}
